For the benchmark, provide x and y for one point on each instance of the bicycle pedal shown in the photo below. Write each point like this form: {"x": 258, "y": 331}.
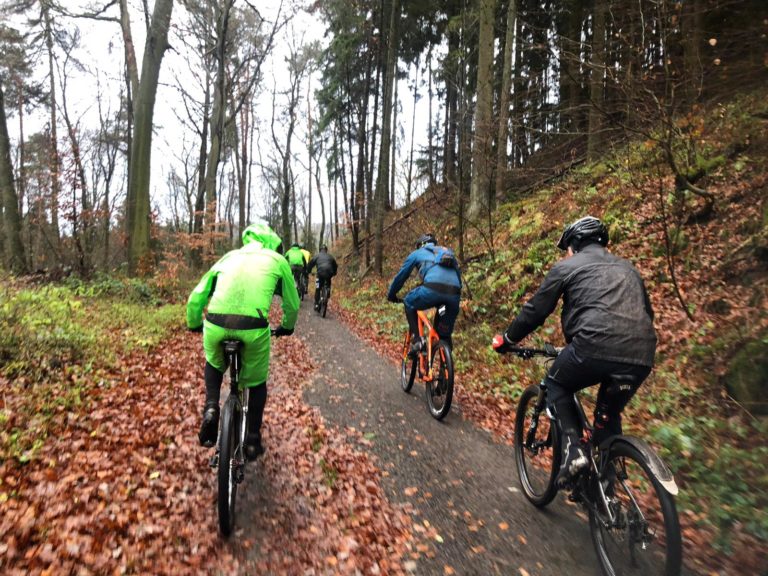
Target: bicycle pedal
{"x": 575, "y": 497}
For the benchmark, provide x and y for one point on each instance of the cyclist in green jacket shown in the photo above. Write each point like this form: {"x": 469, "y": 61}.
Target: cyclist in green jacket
{"x": 238, "y": 291}
{"x": 295, "y": 257}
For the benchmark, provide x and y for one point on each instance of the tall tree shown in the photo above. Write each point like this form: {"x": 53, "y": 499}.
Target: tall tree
{"x": 138, "y": 207}
{"x": 504, "y": 99}
{"x": 11, "y": 220}
{"x": 482, "y": 169}
{"x": 597, "y": 75}
{"x": 386, "y": 122}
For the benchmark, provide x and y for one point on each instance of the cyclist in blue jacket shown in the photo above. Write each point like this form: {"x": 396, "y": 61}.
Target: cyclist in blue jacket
{"x": 440, "y": 285}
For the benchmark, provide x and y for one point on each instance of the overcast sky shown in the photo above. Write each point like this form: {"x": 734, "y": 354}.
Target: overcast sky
{"x": 102, "y": 56}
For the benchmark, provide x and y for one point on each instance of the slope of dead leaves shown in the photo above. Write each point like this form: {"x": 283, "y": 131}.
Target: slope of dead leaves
{"x": 726, "y": 289}
{"x": 118, "y": 486}
{"x": 121, "y": 487}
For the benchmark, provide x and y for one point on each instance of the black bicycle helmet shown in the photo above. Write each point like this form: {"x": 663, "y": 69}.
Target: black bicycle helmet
{"x": 587, "y": 228}
{"x": 425, "y": 239}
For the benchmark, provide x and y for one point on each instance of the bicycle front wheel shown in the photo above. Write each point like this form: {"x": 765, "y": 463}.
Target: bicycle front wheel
{"x": 537, "y": 448}
{"x": 639, "y": 534}
{"x": 228, "y": 465}
{"x": 440, "y": 387}
{"x": 407, "y": 367}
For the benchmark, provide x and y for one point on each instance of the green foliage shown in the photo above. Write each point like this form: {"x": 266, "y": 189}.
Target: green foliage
{"x": 53, "y": 337}
{"x": 704, "y": 165}
{"x": 40, "y": 330}
{"x": 699, "y": 449}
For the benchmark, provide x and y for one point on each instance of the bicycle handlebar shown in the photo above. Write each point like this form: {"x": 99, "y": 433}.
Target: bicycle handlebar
{"x": 548, "y": 351}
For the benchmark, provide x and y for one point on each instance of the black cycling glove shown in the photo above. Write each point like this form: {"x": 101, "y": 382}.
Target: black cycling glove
{"x": 280, "y": 331}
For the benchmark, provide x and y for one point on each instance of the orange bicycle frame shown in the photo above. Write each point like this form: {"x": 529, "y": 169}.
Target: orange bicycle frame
{"x": 425, "y": 367}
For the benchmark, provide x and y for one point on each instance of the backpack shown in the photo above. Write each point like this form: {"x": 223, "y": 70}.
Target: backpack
{"x": 443, "y": 256}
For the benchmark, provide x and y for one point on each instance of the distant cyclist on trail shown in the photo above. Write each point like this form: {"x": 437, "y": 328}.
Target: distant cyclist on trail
{"x": 607, "y": 320}
{"x": 440, "y": 285}
{"x": 295, "y": 257}
{"x": 326, "y": 269}
{"x": 238, "y": 291}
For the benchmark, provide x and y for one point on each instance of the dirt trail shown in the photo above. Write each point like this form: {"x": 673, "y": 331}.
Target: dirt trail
{"x": 462, "y": 485}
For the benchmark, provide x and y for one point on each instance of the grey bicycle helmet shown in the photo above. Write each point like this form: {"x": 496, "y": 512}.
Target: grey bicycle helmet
{"x": 586, "y": 228}
{"x": 425, "y": 239}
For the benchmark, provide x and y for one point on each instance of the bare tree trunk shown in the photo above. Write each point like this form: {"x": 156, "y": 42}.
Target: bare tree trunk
{"x": 54, "y": 159}
{"x": 370, "y": 156}
{"x": 413, "y": 128}
{"x": 308, "y": 225}
{"x": 139, "y": 170}
{"x": 242, "y": 176}
{"x": 218, "y": 112}
{"x": 80, "y": 230}
{"x": 393, "y": 157}
{"x": 596, "y": 81}
{"x": 692, "y": 29}
{"x": 22, "y": 184}
{"x": 506, "y": 89}
{"x": 386, "y": 128}
{"x": 430, "y": 127}
{"x": 481, "y": 157}
{"x": 14, "y": 248}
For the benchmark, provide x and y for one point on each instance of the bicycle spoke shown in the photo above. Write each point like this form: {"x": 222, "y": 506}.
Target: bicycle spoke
{"x": 536, "y": 453}
{"x": 641, "y": 534}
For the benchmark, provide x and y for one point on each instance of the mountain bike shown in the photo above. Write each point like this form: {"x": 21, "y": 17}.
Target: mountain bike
{"x": 229, "y": 459}
{"x": 303, "y": 281}
{"x": 627, "y": 489}
{"x": 300, "y": 283}
{"x": 325, "y": 294}
{"x": 434, "y": 364}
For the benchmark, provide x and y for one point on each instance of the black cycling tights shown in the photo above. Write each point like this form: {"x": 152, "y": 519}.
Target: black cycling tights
{"x": 257, "y": 396}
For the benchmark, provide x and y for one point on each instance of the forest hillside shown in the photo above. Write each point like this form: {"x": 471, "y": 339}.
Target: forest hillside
{"x": 705, "y": 263}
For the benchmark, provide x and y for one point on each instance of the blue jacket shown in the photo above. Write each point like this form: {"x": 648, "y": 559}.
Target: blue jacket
{"x": 430, "y": 272}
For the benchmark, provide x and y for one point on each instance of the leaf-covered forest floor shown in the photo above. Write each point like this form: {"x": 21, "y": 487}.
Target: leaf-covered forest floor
{"x": 100, "y": 471}
{"x": 715, "y": 445}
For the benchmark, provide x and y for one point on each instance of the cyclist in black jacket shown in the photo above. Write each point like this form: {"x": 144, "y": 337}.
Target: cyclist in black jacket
{"x": 607, "y": 320}
{"x": 326, "y": 269}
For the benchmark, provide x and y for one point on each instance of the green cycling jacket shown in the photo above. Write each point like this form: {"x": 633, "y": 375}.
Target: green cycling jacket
{"x": 295, "y": 257}
{"x": 243, "y": 282}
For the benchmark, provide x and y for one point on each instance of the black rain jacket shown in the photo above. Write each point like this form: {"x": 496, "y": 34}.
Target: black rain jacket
{"x": 606, "y": 310}
{"x": 326, "y": 265}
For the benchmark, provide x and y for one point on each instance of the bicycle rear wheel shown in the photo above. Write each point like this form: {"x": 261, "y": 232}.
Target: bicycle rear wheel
{"x": 407, "y": 366}
{"x": 537, "y": 449}
{"x": 228, "y": 465}
{"x": 644, "y": 535}
{"x": 440, "y": 388}
{"x": 324, "y": 301}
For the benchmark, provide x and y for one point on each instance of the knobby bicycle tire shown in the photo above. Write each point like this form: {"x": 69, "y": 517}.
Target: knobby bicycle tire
{"x": 442, "y": 381}
{"x": 634, "y": 545}
{"x": 537, "y": 465}
{"x": 407, "y": 367}
{"x": 324, "y": 302}
{"x": 227, "y": 492}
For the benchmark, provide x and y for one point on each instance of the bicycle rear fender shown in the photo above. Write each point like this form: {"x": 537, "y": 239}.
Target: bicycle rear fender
{"x": 659, "y": 469}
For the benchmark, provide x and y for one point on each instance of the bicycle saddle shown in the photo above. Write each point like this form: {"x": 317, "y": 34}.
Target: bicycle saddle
{"x": 232, "y": 346}
{"x": 620, "y": 384}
